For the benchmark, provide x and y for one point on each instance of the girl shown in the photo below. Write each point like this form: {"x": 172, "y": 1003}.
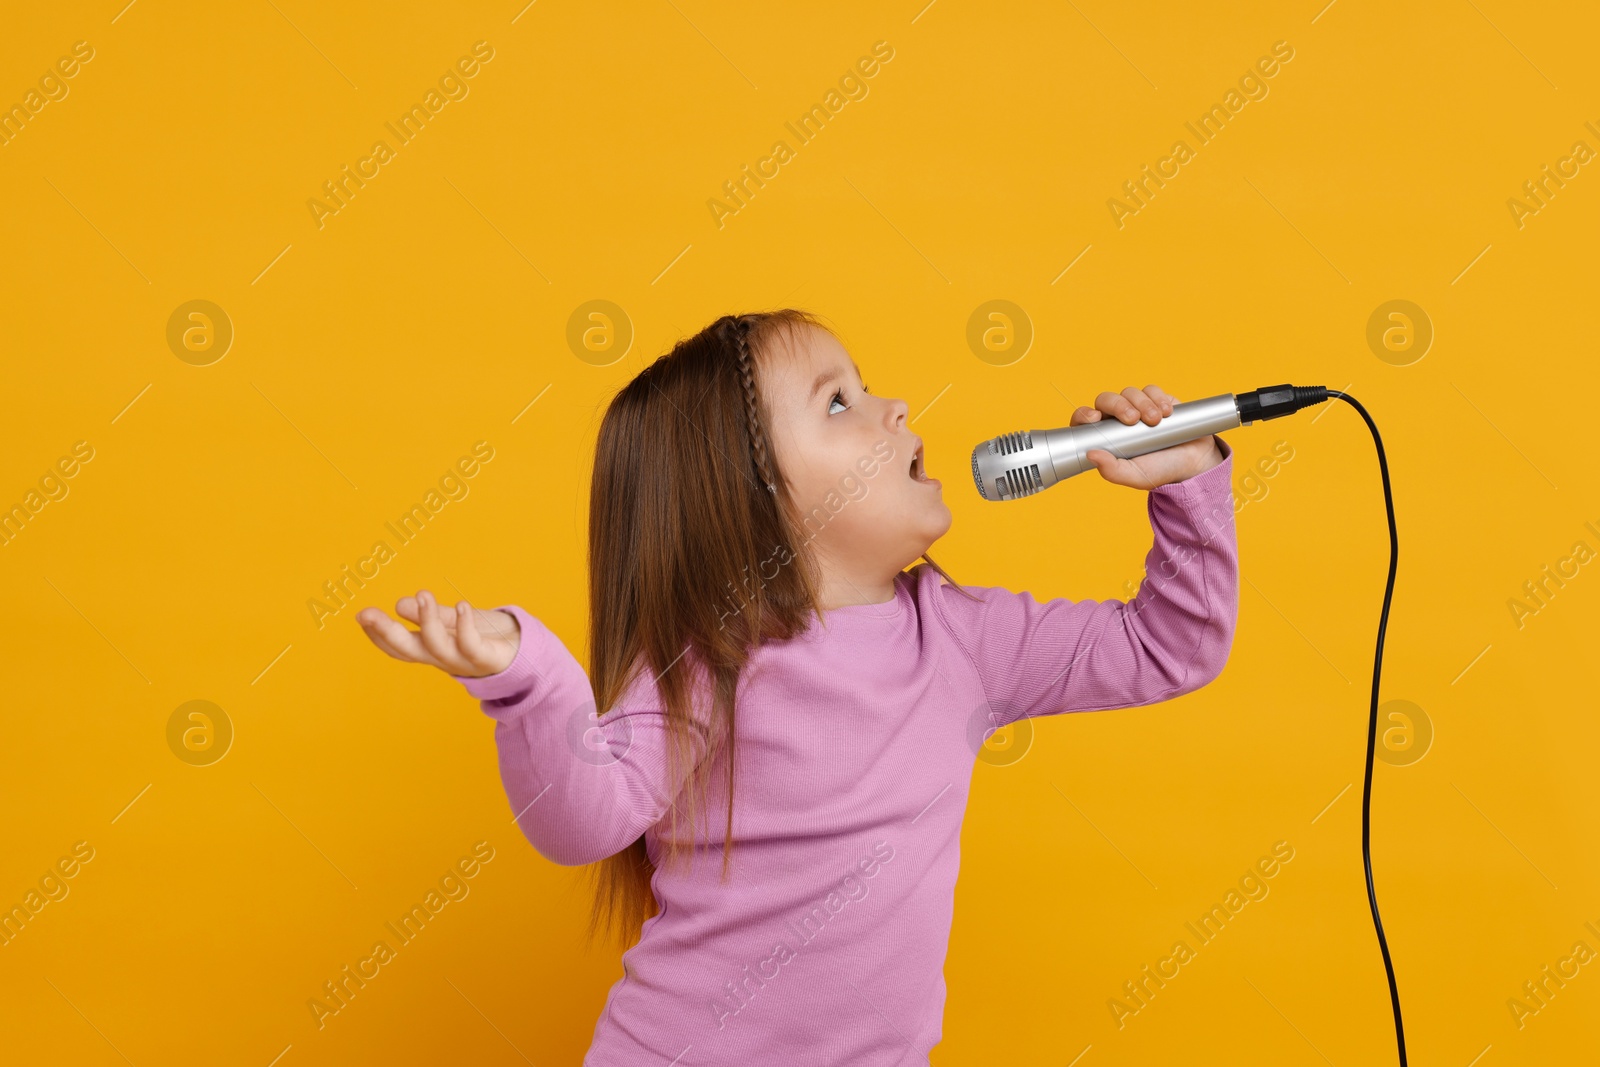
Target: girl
{"x": 752, "y": 508}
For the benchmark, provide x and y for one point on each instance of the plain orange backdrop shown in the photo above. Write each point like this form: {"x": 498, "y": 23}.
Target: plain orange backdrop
{"x": 436, "y": 309}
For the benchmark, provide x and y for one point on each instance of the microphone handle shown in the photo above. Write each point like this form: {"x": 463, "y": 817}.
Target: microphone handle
{"x": 1068, "y": 447}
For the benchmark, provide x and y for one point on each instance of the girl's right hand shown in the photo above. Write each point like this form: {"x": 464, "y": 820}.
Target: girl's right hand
{"x": 459, "y": 640}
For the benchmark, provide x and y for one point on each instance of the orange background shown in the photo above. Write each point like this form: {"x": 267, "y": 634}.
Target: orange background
{"x": 432, "y": 312}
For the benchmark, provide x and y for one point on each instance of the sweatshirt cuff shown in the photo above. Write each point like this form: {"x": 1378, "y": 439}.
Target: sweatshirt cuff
{"x": 1206, "y": 498}
{"x": 1217, "y": 480}
{"x": 522, "y": 672}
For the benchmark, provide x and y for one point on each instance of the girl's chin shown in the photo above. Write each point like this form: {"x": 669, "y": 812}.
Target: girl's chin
{"x": 941, "y": 519}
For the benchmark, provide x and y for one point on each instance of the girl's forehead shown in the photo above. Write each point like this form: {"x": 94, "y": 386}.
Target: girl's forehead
{"x": 810, "y": 348}
{"x": 812, "y": 353}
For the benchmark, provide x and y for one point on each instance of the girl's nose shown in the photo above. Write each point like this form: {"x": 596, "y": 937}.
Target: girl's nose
{"x": 898, "y": 410}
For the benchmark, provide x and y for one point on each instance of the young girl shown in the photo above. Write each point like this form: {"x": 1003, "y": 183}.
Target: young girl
{"x": 752, "y": 509}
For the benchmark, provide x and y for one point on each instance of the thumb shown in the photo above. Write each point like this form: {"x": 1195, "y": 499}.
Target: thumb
{"x": 1110, "y": 467}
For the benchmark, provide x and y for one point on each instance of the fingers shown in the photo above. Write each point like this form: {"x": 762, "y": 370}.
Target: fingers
{"x": 468, "y": 639}
{"x": 435, "y": 643}
{"x": 1146, "y": 406}
{"x": 408, "y": 608}
{"x": 1161, "y": 397}
{"x": 1123, "y": 407}
{"x": 393, "y": 638}
{"x": 440, "y": 643}
{"x": 1119, "y": 471}
{"x": 1150, "y": 404}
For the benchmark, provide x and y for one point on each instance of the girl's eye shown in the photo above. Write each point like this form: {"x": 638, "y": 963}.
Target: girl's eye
{"x": 837, "y": 398}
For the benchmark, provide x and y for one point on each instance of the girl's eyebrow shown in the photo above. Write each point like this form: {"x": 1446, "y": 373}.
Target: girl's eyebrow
{"x": 828, "y": 376}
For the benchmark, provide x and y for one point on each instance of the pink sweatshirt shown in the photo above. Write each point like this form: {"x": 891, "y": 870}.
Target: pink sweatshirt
{"x": 856, "y": 747}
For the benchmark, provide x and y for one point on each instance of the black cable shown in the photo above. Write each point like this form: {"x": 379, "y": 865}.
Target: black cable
{"x": 1274, "y": 402}
{"x": 1372, "y": 721}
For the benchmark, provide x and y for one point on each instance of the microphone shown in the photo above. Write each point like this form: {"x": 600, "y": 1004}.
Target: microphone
{"x": 1016, "y": 465}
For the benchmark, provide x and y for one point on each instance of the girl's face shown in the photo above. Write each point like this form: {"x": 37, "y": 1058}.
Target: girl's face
{"x": 847, "y": 455}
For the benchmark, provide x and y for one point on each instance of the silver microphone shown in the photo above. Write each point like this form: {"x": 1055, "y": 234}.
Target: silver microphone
{"x": 1016, "y": 465}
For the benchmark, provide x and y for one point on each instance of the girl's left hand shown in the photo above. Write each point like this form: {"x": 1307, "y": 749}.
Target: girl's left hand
{"x": 460, "y": 640}
{"x": 1172, "y": 464}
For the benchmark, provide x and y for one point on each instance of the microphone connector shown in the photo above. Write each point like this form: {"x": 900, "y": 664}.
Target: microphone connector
{"x": 1275, "y": 401}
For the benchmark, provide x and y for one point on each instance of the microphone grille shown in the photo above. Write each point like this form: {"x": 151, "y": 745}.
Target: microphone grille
{"x": 1022, "y": 481}
{"x": 1008, "y": 481}
{"x": 1008, "y": 443}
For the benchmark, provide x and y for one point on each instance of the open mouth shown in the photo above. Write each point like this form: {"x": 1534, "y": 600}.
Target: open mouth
{"x": 918, "y": 474}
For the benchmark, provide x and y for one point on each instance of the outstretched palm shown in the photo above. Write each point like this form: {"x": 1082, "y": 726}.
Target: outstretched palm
{"x": 458, "y": 640}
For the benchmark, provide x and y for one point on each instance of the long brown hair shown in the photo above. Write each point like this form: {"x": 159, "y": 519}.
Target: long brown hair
{"x": 688, "y": 501}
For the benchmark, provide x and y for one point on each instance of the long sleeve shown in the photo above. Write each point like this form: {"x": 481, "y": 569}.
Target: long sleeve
{"x": 581, "y": 789}
{"x": 1174, "y": 636}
